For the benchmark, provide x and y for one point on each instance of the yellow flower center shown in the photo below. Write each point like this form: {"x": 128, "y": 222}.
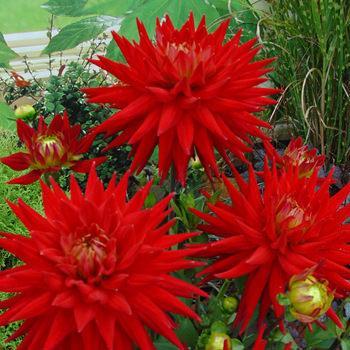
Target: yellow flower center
{"x": 290, "y": 214}
{"x": 51, "y": 149}
{"x": 89, "y": 253}
{"x": 186, "y": 57}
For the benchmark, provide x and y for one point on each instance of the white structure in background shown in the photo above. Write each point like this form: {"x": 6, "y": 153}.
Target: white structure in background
{"x": 31, "y": 45}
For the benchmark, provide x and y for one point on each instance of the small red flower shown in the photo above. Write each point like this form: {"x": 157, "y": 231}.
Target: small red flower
{"x": 292, "y": 226}
{"x": 96, "y": 270}
{"x": 298, "y": 154}
{"x": 188, "y": 93}
{"x": 49, "y": 148}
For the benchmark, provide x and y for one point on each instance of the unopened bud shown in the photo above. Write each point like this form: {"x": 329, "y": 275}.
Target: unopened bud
{"x": 309, "y": 297}
{"x": 219, "y": 341}
{"x": 230, "y": 304}
{"x": 26, "y": 112}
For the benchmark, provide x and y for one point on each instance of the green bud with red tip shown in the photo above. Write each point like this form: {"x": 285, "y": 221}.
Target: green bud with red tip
{"x": 219, "y": 341}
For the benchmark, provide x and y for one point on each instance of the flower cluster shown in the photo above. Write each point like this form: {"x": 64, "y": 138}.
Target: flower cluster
{"x": 99, "y": 268}
{"x": 298, "y": 155}
{"x": 292, "y": 226}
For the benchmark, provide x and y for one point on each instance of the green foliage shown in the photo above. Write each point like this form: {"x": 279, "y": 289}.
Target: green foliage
{"x": 30, "y": 194}
{"x": 78, "y": 32}
{"x": 8, "y": 221}
{"x": 312, "y": 42}
{"x": 181, "y": 206}
{"x": 322, "y": 339}
{"x": 7, "y": 117}
{"x": 65, "y": 7}
{"x": 151, "y": 9}
{"x": 112, "y": 7}
{"x": 146, "y": 10}
{"x": 6, "y": 54}
{"x": 7, "y": 331}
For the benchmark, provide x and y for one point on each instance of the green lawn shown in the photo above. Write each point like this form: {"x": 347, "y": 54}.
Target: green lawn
{"x": 27, "y": 15}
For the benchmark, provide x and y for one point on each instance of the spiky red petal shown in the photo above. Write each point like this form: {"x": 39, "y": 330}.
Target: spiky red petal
{"x": 49, "y": 148}
{"x": 188, "y": 93}
{"x": 268, "y": 237}
{"x": 96, "y": 270}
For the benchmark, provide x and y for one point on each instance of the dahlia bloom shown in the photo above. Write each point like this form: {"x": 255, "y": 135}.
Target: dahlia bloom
{"x": 188, "y": 93}
{"x": 96, "y": 270}
{"x": 292, "y": 226}
{"x": 298, "y": 154}
{"x": 49, "y": 148}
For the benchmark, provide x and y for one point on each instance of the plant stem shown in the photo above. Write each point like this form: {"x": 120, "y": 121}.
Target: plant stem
{"x": 224, "y": 288}
{"x": 50, "y": 38}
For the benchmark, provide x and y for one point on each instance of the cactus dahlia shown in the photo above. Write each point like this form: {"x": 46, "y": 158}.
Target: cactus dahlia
{"x": 49, "y": 148}
{"x": 96, "y": 271}
{"x": 189, "y": 92}
{"x": 268, "y": 237}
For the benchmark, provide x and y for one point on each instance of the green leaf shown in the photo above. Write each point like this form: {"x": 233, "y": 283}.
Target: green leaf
{"x": 65, "y": 7}
{"x": 321, "y": 339}
{"x": 345, "y": 344}
{"x": 283, "y": 299}
{"x": 7, "y": 117}
{"x": 187, "y": 333}
{"x": 220, "y": 4}
{"x": 148, "y": 12}
{"x": 237, "y": 344}
{"x": 6, "y": 54}
{"x": 78, "y": 32}
{"x": 112, "y": 7}
{"x": 163, "y": 344}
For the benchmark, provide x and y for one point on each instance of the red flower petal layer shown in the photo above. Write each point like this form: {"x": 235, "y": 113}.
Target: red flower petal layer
{"x": 50, "y": 148}
{"x": 268, "y": 237}
{"x": 188, "y": 92}
{"x": 96, "y": 270}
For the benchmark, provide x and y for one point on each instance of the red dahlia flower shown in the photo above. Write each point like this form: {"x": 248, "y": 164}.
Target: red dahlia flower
{"x": 49, "y": 148}
{"x": 292, "y": 226}
{"x": 96, "y": 271}
{"x": 187, "y": 93}
{"x": 297, "y": 154}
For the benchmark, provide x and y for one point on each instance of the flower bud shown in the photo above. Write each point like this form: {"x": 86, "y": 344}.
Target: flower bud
{"x": 230, "y": 304}
{"x": 196, "y": 163}
{"x": 309, "y": 297}
{"x": 218, "y": 327}
{"x": 26, "y": 112}
{"x": 217, "y": 341}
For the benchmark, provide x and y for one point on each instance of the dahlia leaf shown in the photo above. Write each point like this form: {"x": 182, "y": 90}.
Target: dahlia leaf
{"x": 112, "y": 7}
{"x": 65, "y": 7}
{"x": 76, "y": 33}
{"x": 178, "y": 10}
{"x": 7, "y": 114}
{"x": 6, "y": 54}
